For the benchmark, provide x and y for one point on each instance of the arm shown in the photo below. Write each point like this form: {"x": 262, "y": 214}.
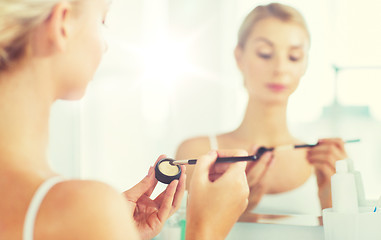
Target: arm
{"x": 217, "y": 196}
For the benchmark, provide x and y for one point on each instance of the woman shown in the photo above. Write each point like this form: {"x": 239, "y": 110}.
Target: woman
{"x": 49, "y": 50}
{"x": 271, "y": 53}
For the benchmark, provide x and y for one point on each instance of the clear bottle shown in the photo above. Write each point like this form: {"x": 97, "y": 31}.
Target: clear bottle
{"x": 343, "y": 185}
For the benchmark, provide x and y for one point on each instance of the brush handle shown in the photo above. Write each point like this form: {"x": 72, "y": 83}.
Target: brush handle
{"x": 236, "y": 159}
{"x": 219, "y": 160}
{"x": 305, "y": 145}
{"x": 255, "y": 157}
{"x": 313, "y": 145}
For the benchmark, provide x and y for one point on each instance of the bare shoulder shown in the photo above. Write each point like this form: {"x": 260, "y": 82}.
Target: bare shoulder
{"x": 79, "y": 209}
{"x": 193, "y": 147}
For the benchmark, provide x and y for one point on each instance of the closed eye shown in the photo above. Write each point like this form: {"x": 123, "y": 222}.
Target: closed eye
{"x": 264, "y": 56}
{"x": 294, "y": 59}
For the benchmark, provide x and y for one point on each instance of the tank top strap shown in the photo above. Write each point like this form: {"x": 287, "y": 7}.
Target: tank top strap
{"x": 34, "y": 205}
{"x": 213, "y": 142}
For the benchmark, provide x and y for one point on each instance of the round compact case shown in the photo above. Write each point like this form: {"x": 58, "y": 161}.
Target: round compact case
{"x": 165, "y": 172}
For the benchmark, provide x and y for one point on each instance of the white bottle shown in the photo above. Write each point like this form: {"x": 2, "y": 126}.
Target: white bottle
{"x": 344, "y": 194}
{"x": 359, "y": 184}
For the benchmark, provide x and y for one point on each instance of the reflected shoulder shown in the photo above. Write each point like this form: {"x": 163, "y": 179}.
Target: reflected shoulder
{"x": 193, "y": 147}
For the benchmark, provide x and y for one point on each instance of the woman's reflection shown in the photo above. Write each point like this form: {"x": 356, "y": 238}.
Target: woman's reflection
{"x": 271, "y": 53}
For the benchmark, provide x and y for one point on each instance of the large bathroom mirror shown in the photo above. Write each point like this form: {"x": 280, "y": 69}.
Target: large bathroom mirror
{"x": 170, "y": 74}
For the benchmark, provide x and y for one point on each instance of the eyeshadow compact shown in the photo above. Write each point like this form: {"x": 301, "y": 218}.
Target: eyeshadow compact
{"x": 166, "y": 172}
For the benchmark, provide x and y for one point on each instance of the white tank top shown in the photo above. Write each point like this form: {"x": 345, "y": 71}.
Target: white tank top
{"x": 301, "y": 200}
{"x": 34, "y": 206}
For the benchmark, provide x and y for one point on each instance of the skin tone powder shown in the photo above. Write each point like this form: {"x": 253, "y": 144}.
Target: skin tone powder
{"x": 168, "y": 169}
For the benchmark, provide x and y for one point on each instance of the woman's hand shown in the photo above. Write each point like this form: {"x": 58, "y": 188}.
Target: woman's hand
{"x": 255, "y": 172}
{"x": 150, "y": 215}
{"x": 323, "y": 157}
{"x": 217, "y": 196}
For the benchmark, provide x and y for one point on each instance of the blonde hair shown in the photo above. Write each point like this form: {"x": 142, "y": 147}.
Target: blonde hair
{"x": 18, "y": 18}
{"x": 276, "y": 10}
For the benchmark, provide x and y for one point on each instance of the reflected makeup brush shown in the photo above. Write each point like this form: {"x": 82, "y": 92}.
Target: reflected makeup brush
{"x": 254, "y": 157}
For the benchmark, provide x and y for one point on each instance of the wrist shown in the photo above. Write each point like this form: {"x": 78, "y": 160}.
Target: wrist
{"x": 197, "y": 230}
{"x": 325, "y": 198}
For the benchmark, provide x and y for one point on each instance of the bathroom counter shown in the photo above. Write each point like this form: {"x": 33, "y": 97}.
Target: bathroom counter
{"x": 271, "y": 227}
{"x": 246, "y": 231}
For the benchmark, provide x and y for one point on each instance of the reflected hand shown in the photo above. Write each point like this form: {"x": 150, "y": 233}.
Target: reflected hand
{"x": 323, "y": 157}
{"x": 255, "y": 172}
{"x": 150, "y": 215}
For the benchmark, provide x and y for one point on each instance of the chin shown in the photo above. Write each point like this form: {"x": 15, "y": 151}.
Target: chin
{"x": 276, "y": 100}
{"x": 74, "y": 95}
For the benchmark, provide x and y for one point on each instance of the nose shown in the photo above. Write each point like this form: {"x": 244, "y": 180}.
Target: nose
{"x": 281, "y": 64}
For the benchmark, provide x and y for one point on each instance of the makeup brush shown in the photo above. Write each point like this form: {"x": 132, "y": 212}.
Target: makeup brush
{"x": 254, "y": 157}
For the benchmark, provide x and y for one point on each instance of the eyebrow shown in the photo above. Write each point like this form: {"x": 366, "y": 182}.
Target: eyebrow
{"x": 262, "y": 39}
{"x": 300, "y": 46}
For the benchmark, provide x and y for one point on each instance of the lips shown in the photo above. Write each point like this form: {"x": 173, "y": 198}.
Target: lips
{"x": 276, "y": 87}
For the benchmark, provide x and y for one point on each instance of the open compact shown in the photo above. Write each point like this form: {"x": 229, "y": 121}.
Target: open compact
{"x": 166, "y": 172}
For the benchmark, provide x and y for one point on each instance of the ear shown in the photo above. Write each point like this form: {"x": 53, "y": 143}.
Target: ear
{"x": 238, "y": 56}
{"x": 58, "y": 26}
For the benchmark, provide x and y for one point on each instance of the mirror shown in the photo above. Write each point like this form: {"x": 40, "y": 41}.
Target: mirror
{"x": 170, "y": 74}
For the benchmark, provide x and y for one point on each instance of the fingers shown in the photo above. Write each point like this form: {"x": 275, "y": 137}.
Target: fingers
{"x": 259, "y": 169}
{"x": 328, "y": 151}
{"x": 335, "y": 142}
{"x": 180, "y": 190}
{"x": 205, "y": 168}
{"x": 235, "y": 171}
{"x": 166, "y": 198}
{"x": 219, "y": 169}
{"x": 170, "y": 199}
{"x": 204, "y": 163}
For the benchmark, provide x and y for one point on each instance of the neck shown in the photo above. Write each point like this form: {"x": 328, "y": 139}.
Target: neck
{"x": 24, "y": 122}
{"x": 265, "y": 124}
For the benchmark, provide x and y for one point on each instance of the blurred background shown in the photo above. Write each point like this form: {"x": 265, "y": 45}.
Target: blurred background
{"x": 169, "y": 74}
